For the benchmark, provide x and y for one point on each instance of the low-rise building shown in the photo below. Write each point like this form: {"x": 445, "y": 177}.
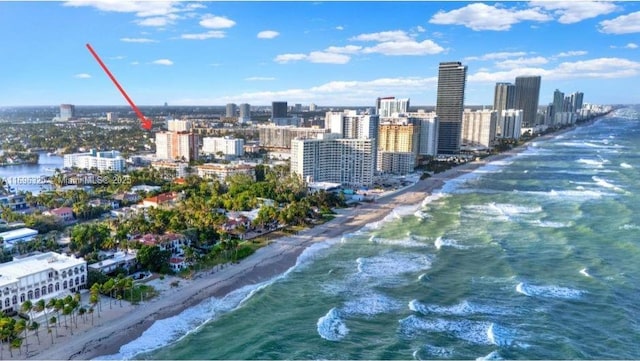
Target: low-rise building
{"x": 34, "y": 277}
{"x": 161, "y": 200}
{"x": 10, "y": 238}
{"x": 63, "y": 214}
{"x": 125, "y": 260}
{"x": 222, "y": 171}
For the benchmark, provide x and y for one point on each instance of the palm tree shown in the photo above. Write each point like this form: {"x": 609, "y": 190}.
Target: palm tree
{"x": 34, "y": 326}
{"x": 53, "y": 321}
{"x": 27, "y": 307}
{"x": 21, "y": 326}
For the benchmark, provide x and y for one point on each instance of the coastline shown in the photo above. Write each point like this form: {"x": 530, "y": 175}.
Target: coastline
{"x": 119, "y": 325}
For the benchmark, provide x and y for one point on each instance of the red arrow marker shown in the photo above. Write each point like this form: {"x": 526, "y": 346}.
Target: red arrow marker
{"x": 145, "y": 122}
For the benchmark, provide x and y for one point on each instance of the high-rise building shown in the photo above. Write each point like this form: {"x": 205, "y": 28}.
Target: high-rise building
{"x": 558, "y": 103}
{"x": 177, "y": 146}
{"x": 509, "y": 124}
{"x": 279, "y": 110}
{"x": 452, "y": 78}
{"x": 504, "y": 96}
{"x": 527, "y": 99}
{"x": 351, "y": 124}
{"x": 312, "y": 107}
{"x": 576, "y": 101}
{"x": 102, "y": 161}
{"x": 390, "y": 106}
{"x": 333, "y": 159}
{"x": 112, "y": 117}
{"x": 175, "y": 125}
{"x": 245, "y": 113}
{"x": 297, "y": 108}
{"x": 226, "y": 145}
{"x": 67, "y": 111}
{"x": 479, "y": 128}
{"x": 231, "y": 110}
{"x": 279, "y": 137}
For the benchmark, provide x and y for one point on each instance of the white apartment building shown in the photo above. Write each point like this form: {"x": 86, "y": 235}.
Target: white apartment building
{"x": 178, "y": 169}
{"x": 103, "y": 161}
{"x": 509, "y": 124}
{"x": 34, "y": 277}
{"x": 399, "y": 163}
{"x": 177, "y": 145}
{"x": 390, "y": 107}
{"x": 227, "y": 145}
{"x": 222, "y": 171}
{"x": 479, "y": 128}
{"x": 428, "y": 139}
{"x": 333, "y": 159}
{"x": 175, "y": 125}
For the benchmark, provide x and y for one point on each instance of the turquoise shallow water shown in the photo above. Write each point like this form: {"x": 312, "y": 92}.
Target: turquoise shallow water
{"x": 534, "y": 257}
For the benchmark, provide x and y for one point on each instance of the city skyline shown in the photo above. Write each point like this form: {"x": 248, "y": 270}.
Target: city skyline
{"x": 214, "y": 53}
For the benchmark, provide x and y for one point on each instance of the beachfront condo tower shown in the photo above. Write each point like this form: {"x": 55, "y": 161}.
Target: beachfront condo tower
{"x": 504, "y": 97}
{"x": 452, "y": 77}
{"x": 527, "y": 96}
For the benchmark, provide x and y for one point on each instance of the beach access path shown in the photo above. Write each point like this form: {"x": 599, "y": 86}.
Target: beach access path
{"x": 120, "y": 324}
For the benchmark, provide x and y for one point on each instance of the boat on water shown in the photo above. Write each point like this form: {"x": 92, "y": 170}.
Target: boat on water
{"x": 51, "y": 154}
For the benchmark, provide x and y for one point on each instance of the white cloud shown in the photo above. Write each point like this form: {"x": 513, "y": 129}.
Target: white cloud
{"x": 497, "y": 56}
{"x": 383, "y": 36}
{"x": 285, "y": 58}
{"x": 260, "y": 78}
{"x": 339, "y": 27}
{"x": 600, "y": 68}
{"x": 565, "y": 54}
{"x": 420, "y": 29}
{"x": 212, "y": 34}
{"x": 624, "y": 24}
{"x": 348, "y": 92}
{"x": 569, "y": 12}
{"x": 162, "y": 62}
{"x": 118, "y": 57}
{"x": 268, "y": 34}
{"x": 82, "y": 76}
{"x": 152, "y": 13}
{"x": 158, "y": 21}
{"x": 135, "y": 63}
{"x": 216, "y": 22}
{"x": 314, "y": 57}
{"x": 521, "y": 62}
{"x": 406, "y": 47}
{"x": 349, "y": 49}
{"x": 327, "y": 58}
{"x": 479, "y": 16}
{"x": 631, "y": 46}
{"x": 138, "y": 40}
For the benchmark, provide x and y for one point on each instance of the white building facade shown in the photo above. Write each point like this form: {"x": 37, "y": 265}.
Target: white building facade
{"x": 39, "y": 276}
{"x": 103, "y": 161}
{"x": 509, "y": 124}
{"x": 479, "y": 128}
{"x": 333, "y": 159}
{"x": 227, "y": 145}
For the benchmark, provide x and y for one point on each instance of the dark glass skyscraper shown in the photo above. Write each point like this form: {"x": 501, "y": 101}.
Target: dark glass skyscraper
{"x": 452, "y": 77}
{"x": 504, "y": 97}
{"x": 527, "y": 98}
{"x": 279, "y": 109}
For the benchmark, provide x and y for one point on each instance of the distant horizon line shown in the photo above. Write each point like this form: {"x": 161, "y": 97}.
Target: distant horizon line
{"x": 256, "y": 105}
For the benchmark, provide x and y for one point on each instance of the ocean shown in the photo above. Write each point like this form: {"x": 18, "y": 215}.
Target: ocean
{"x": 532, "y": 257}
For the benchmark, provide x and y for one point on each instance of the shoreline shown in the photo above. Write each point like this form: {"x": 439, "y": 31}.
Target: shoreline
{"x": 119, "y": 325}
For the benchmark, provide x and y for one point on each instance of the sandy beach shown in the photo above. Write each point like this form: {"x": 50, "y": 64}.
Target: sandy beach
{"x": 118, "y": 324}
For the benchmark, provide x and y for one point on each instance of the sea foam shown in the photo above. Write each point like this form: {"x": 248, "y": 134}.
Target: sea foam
{"x": 548, "y": 291}
{"x": 474, "y": 332}
{"x": 331, "y": 326}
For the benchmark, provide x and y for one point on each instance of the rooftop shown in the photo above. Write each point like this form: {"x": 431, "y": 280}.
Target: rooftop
{"x": 18, "y": 233}
{"x": 11, "y": 271}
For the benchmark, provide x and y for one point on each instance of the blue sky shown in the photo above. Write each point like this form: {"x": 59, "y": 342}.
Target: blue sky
{"x": 327, "y": 53}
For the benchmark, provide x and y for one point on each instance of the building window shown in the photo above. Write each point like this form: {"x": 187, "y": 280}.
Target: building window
{"x": 44, "y": 290}
{"x": 50, "y": 288}
{"x": 64, "y": 285}
{"x": 37, "y": 293}
{"x": 57, "y": 286}
{"x": 82, "y": 279}
{"x": 30, "y": 295}
{"x": 22, "y": 298}
{"x": 77, "y": 281}
{"x": 6, "y": 303}
{"x": 14, "y": 300}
